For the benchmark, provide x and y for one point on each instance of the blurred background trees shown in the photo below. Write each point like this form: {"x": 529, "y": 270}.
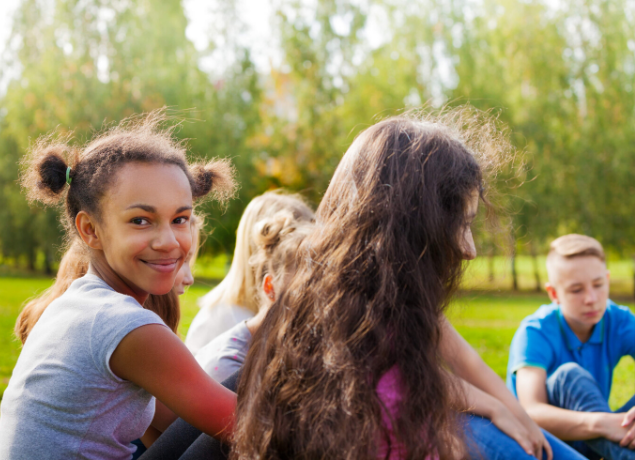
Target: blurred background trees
{"x": 560, "y": 77}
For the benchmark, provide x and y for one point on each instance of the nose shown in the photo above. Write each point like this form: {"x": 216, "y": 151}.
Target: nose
{"x": 188, "y": 279}
{"x": 165, "y": 239}
{"x": 591, "y": 296}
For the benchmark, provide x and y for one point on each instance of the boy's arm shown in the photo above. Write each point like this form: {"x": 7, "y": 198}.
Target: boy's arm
{"x": 566, "y": 424}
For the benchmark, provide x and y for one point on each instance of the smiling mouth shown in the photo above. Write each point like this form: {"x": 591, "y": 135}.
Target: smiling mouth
{"x": 162, "y": 265}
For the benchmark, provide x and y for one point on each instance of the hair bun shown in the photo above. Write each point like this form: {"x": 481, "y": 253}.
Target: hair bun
{"x": 268, "y": 232}
{"x": 45, "y": 171}
{"x": 216, "y": 176}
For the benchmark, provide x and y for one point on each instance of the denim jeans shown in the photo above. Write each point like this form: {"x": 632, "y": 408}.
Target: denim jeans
{"x": 486, "y": 442}
{"x": 574, "y": 388}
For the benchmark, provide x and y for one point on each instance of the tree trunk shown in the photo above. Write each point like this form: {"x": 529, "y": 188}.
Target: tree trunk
{"x": 47, "y": 263}
{"x": 30, "y": 260}
{"x": 536, "y": 271}
{"x": 514, "y": 273}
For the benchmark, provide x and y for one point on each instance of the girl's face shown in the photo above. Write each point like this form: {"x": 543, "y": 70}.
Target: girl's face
{"x": 184, "y": 277}
{"x": 144, "y": 230}
{"x": 467, "y": 239}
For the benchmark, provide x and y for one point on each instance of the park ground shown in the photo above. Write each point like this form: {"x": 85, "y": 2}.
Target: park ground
{"x": 486, "y": 318}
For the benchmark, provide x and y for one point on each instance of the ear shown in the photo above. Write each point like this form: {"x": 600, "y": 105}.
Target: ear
{"x": 553, "y": 295}
{"x": 85, "y": 226}
{"x": 267, "y": 287}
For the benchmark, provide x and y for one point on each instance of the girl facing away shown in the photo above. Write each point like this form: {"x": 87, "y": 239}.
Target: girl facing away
{"x": 349, "y": 361}
{"x": 85, "y": 382}
{"x": 235, "y": 299}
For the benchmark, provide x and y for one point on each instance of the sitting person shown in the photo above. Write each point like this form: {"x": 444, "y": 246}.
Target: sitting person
{"x": 562, "y": 357}
{"x": 235, "y": 299}
{"x": 277, "y": 240}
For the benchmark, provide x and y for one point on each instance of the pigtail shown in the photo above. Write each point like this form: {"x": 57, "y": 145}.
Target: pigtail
{"x": 45, "y": 170}
{"x": 216, "y": 176}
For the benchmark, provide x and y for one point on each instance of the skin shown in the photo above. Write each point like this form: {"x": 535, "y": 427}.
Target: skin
{"x": 137, "y": 245}
{"x": 184, "y": 277}
{"x": 486, "y": 394}
{"x": 580, "y": 285}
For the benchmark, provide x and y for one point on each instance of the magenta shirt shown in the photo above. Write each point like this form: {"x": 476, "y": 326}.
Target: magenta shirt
{"x": 390, "y": 392}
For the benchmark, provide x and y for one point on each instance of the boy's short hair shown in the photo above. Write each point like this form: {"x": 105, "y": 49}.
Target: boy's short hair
{"x": 574, "y": 245}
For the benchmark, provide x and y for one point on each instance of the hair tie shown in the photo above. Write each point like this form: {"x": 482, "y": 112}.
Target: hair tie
{"x": 68, "y": 176}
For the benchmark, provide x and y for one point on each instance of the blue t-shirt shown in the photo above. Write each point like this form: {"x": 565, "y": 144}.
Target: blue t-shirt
{"x": 544, "y": 339}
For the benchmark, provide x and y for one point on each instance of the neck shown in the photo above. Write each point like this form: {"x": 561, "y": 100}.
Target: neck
{"x": 581, "y": 331}
{"x": 100, "y": 268}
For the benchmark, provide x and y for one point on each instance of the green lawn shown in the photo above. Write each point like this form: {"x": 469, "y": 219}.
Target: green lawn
{"x": 486, "y": 321}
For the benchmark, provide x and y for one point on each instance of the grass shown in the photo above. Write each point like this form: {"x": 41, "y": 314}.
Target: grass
{"x": 487, "y": 321}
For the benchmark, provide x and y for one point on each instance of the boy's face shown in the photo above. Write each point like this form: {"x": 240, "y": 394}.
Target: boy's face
{"x": 581, "y": 286}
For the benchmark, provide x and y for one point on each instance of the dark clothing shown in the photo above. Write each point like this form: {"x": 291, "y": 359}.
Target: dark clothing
{"x": 182, "y": 441}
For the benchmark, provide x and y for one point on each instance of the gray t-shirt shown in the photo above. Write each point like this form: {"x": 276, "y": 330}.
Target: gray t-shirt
{"x": 63, "y": 401}
{"x": 226, "y": 353}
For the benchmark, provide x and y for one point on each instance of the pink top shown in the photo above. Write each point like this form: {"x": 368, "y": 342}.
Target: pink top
{"x": 389, "y": 391}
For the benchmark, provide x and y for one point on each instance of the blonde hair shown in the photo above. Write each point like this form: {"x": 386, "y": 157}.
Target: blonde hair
{"x": 239, "y": 285}
{"x": 574, "y": 245}
{"x": 74, "y": 265}
{"x": 278, "y": 239}
{"x": 570, "y": 246}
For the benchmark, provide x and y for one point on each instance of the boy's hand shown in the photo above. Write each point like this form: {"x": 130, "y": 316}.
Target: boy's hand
{"x": 629, "y": 439}
{"x": 609, "y": 426}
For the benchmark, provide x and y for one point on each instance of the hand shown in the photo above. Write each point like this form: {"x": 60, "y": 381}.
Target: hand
{"x": 610, "y": 426}
{"x": 527, "y": 435}
{"x": 627, "y": 422}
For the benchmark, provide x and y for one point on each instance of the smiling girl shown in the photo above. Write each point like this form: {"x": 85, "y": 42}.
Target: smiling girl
{"x": 85, "y": 382}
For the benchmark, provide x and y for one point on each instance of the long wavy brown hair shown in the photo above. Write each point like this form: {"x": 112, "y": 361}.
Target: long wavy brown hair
{"x": 372, "y": 283}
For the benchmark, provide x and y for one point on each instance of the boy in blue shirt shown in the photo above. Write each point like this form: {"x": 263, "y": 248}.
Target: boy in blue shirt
{"x": 562, "y": 357}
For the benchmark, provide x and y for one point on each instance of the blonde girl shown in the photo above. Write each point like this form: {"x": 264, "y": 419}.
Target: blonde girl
{"x": 85, "y": 382}
{"x": 277, "y": 240}
{"x": 235, "y": 299}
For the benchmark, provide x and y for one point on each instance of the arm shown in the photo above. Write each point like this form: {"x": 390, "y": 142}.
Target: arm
{"x": 566, "y": 424}
{"x": 155, "y": 359}
{"x": 163, "y": 418}
{"x": 465, "y": 363}
{"x": 480, "y": 403}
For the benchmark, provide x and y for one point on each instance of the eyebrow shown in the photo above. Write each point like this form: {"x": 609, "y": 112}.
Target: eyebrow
{"x": 153, "y": 210}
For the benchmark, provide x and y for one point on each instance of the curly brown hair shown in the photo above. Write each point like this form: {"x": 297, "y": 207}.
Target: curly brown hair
{"x": 372, "y": 283}
{"x": 142, "y": 139}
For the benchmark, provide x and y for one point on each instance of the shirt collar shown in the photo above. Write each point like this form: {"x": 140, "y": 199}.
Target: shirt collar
{"x": 573, "y": 342}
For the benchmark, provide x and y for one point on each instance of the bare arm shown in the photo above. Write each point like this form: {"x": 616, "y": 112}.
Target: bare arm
{"x": 566, "y": 424}
{"x": 155, "y": 359}
{"x": 467, "y": 364}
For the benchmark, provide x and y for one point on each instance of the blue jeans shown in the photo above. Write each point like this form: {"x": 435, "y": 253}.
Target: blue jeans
{"x": 486, "y": 442}
{"x": 574, "y": 388}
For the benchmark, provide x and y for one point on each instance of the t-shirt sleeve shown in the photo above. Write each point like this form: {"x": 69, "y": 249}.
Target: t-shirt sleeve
{"x": 111, "y": 324}
{"x": 530, "y": 348}
{"x": 627, "y": 332}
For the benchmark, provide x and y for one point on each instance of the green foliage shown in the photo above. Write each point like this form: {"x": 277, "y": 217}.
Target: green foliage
{"x": 560, "y": 77}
